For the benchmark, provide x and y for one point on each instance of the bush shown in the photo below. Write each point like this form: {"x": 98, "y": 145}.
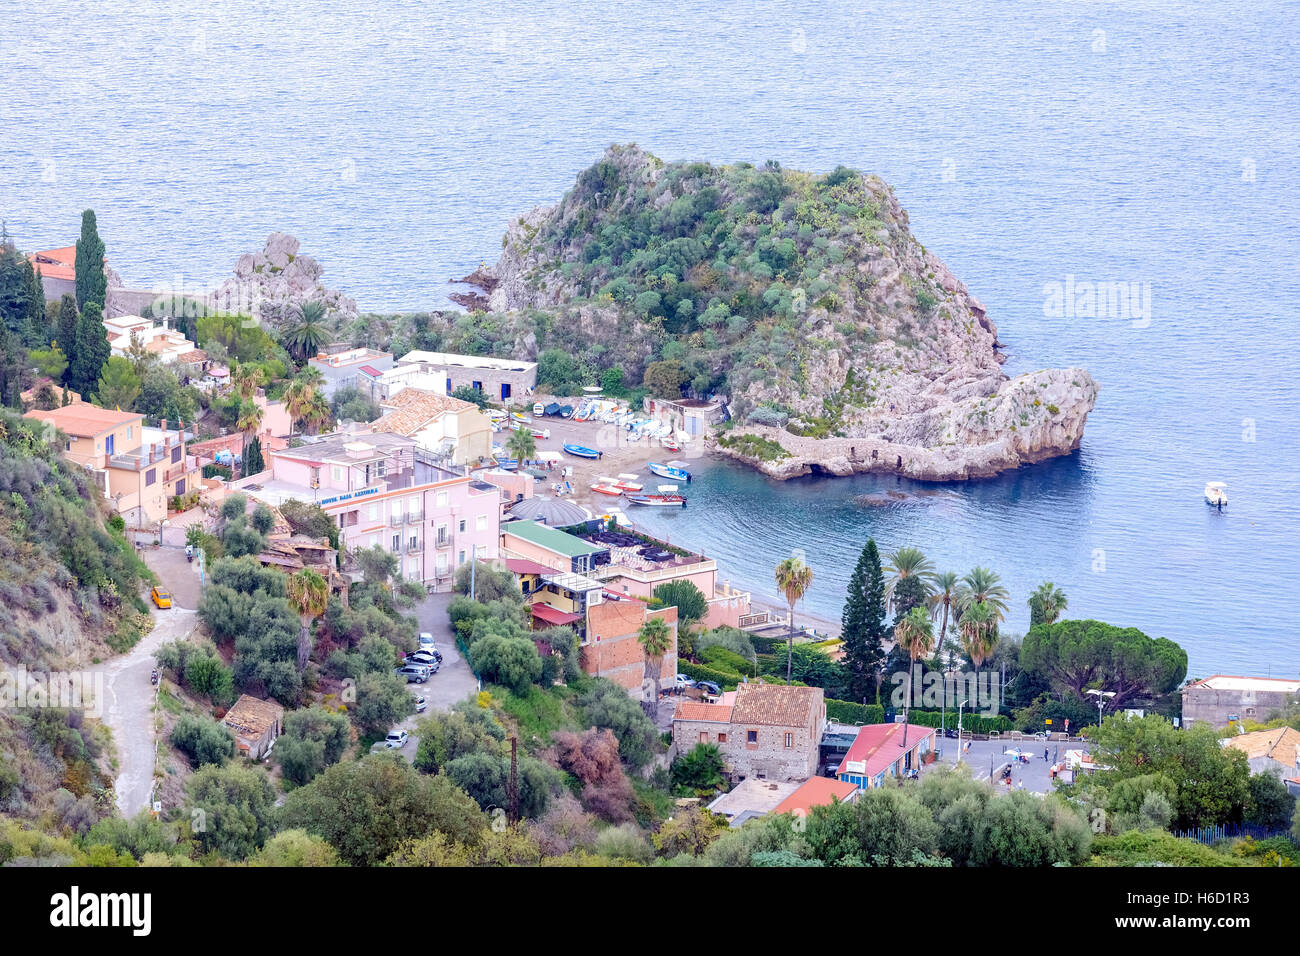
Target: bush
{"x": 607, "y": 705}
{"x": 700, "y": 768}
{"x": 512, "y": 662}
{"x": 203, "y": 740}
{"x": 847, "y": 712}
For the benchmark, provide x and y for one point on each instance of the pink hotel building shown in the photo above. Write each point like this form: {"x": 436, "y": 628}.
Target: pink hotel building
{"x": 383, "y": 490}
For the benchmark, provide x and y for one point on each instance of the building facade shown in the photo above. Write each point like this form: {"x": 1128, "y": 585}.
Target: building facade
{"x": 508, "y": 381}
{"x": 1224, "y": 699}
{"x": 770, "y": 731}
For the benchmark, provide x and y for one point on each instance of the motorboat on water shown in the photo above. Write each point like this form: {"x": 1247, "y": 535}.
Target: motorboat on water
{"x": 669, "y": 471}
{"x": 660, "y": 501}
{"x": 581, "y": 451}
{"x": 1216, "y": 494}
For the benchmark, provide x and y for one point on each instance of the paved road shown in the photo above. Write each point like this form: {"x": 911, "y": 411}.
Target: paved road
{"x": 128, "y": 694}
{"x": 989, "y": 755}
{"x": 454, "y": 680}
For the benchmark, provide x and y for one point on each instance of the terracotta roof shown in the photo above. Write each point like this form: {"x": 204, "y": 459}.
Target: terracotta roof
{"x": 84, "y": 421}
{"x": 414, "y": 408}
{"x": 56, "y": 263}
{"x": 816, "y": 792}
{"x": 1281, "y": 744}
{"x": 251, "y": 717}
{"x": 776, "y": 704}
{"x": 192, "y": 357}
{"x": 697, "y": 710}
{"x": 877, "y": 745}
{"x": 29, "y": 395}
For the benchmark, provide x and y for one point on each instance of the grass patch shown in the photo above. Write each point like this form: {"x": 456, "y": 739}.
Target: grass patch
{"x": 754, "y": 446}
{"x": 538, "y": 713}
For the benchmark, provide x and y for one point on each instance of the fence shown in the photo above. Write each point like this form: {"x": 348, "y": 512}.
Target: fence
{"x": 1213, "y": 834}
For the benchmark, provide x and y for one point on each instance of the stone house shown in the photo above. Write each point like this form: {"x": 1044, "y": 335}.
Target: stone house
{"x": 255, "y": 724}
{"x": 767, "y": 730}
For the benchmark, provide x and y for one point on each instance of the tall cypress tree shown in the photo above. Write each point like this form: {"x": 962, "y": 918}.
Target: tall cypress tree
{"x": 66, "y": 331}
{"x": 38, "y": 330}
{"x": 92, "y": 280}
{"x": 862, "y": 625}
{"x": 86, "y": 361}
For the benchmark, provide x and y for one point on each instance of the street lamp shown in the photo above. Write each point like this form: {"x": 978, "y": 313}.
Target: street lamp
{"x": 1101, "y": 701}
{"x": 957, "y": 759}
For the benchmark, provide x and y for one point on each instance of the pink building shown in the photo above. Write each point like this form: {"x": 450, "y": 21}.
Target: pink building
{"x": 384, "y": 491}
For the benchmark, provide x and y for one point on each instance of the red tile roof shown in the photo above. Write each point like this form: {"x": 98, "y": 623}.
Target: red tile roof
{"x": 878, "y": 746}
{"x": 816, "y": 792}
{"x": 777, "y": 705}
{"x": 697, "y": 710}
{"x": 84, "y": 421}
{"x": 56, "y": 263}
{"x": 553, "y": 615}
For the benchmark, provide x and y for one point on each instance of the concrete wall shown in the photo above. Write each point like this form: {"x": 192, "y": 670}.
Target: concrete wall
{"x": 1205, "y": 705}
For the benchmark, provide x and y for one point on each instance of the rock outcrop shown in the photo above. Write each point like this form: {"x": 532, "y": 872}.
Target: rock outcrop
{"x": 805, "y": 300}
{"x": 273, "y": 283}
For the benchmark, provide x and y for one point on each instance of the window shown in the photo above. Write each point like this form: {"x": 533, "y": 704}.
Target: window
{"x": 789, "y": 741}
{"x": 461, "y": 559}
{"x": 397, "y": 543}
{"x": 176, "y": 453}
{"x": 67, "y": 445}
{"x": 372, "y": 511}
{"x": 704, "y": 736}
{"x": 336, "y": 473}
{"x": 130, "y": 432}
{"x": 442, "y": 499}
{"x": 751, "y": 736}
{"x": 462, "y": 525}
{"x": 109, "y": 444}
{"x": 722, "y": 738}
{"x": 151, "y": 476}
{"x": 413, "y": 504}
{"x": 480, "y": 523}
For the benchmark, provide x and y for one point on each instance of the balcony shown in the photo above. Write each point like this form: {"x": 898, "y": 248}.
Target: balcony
{"x": 442, "y": 540}
{"x": 414, "y": 517}
{"x": 414, "y": 547}
{"x": 396, "y": 521}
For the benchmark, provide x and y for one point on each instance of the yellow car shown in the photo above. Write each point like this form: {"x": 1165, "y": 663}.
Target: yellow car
{"x": 161, "y": 597}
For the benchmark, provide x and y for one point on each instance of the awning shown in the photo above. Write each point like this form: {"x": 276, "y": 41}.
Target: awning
{"x": 524, "y": 566}
{"x": 547, "y": 456}
{"x": 553, "y": 615}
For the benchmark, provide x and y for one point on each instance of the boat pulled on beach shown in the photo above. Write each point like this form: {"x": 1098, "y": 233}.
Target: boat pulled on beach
{"x": 581, "y": 451}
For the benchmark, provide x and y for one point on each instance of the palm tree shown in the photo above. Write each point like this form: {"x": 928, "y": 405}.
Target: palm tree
{"x": 656, "y": 638}
{"x": 304, "y": 336}
{"x": 982, "y": 586}
{"x": 316, "y": 413}
{"x": 246, "y": 380}
{"x": 309, "y": 592}
{"x": 908, "y": 563}
{"x": 793, "y": 577}
{"x": 978, "y": 630}
{"x": 521, "y": 445}
{"x": 944, "y": 594}
{"x": 249, "y": 421}
{"x": 1046, "y": 604}
{"x": 914, "y": 634}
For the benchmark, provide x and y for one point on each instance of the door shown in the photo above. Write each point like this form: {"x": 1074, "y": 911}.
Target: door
{"x": 180, "y": 487}
{"x": 505, "y": 391}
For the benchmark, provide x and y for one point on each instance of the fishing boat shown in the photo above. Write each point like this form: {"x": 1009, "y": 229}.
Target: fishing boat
{"x": 538, "y": 409}
{"x": 552, "y": 409}
{"x": 624, "y": 484}
{"x": 1216, "y": 494}
{"x": 660, "y": 501}
{"x": 566, "y": 411}
{"x": 581, "y": 451}
{"x": 671, "y": 444}
{"x": 669, "y": 471}
{"x": 541, "y": 433}
{"x": 605, "y": 489}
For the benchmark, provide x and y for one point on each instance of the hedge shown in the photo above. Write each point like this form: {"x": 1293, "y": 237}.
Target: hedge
{"x": 847, "y": 712}
{"x": 727, "y": 680}
{"x": 974, "y": 723}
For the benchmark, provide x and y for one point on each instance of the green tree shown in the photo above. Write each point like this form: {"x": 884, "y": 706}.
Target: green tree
{"x": 382, "y": 700}
{"x": 366, "y": 808}
{"x": 793, "y": 579}
{"x": 982, "y": 586}
{"x": 607, "y": 705}
{"x": 203, "y": 740}
{"x": 91, "y": 351}
{"x": 914, "y": 635}
{"x": 862, "y": 625}
{"x": 656, "y": 640}
{"x": 309, "y": 593}
{"x": 91, "y": 279}
{"x": 1046, "y": 604}
{"x": 51, "y": 362}
{"x": 468, "y": 393}
{"x": 295, "y": 848}
{"x": 305, "y": 335}
{"x": 484, "y": 775}
{"x": 230, "y": 809}
{"x": 976, "y": 628}
{"x": 909, "y": 574}
{"x": 700, "y": 768}
{"x": 117, "y": 388}
{"x": 686, "y": 597}
{"x": 66, "y": 326}
{"x": 665, "y": 379}
{"x": 512, "y": 662}
{"x": 1076, "y": 655}
{"x": 314, "y": 738}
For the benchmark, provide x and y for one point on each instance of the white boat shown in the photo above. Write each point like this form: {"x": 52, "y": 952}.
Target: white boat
{"x": 1216, "y": 493}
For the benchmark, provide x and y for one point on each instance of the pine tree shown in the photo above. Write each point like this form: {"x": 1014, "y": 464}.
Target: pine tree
{"x": 862, "y": 625}
{"x": 253, "y": 462}
{"x": 91, "y": 351}
{"x": 92, "y": 280}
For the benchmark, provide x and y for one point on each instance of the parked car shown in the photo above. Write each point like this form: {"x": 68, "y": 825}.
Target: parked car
{"x": 425, "y": 659}
{"x": 396, "y": 739}
{"x": 681, "y": 682}
{"x": 426, "y": 642}
{"x": 710, "y": 688}
{"x": 414, "y": 673}
{"x": 420, "y": 705}
{"x": 161, "y": 597}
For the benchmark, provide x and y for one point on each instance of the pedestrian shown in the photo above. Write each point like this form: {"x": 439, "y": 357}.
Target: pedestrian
{"x": 1044, "y": 755}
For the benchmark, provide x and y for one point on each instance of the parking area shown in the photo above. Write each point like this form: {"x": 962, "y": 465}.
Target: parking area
{"x": 987, "y": 757}
{"x": 454, "y": 680}
{"x": 176, "y": 574}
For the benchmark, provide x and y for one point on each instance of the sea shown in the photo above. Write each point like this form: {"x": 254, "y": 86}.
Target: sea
{"x": 1147, "y": 147}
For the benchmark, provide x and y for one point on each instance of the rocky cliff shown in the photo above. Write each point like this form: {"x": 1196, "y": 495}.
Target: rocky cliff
{"x": 842, "y": 344}
{"x": 271, "y": 284}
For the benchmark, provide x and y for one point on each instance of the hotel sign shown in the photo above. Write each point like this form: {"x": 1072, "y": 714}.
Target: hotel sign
{"x": 351, "y": 495}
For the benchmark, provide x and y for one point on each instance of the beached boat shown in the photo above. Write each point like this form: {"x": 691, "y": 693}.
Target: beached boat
{"x": 541, "y": 433}
{"x": 671, "y": 444}
{"x": 552, "y": 409}
{"x": 624, "y": 485}
{"x": 669, "y": 471}
{"x": 661, "y": 501}
{"x": 509, "y": 464}
{"x": 603, "y": 489}
{"x": 566, "y": 411}
{"x": 1216, "y": 494}
{"x": 581, "y": 451}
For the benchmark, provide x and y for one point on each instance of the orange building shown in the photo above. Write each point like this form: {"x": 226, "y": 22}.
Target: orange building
{"x": 611, "y": 649}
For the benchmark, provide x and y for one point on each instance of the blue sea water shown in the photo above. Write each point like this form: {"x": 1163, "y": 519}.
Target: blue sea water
{"x": 1140, "y": 142}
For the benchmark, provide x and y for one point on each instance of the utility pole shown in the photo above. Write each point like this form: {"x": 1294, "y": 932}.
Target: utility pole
{"x": 513, "y": 786}
{"x": 958, "y": 758}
